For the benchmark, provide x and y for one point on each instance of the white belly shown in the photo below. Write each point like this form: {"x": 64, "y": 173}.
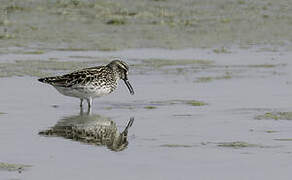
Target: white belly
{"x": 84, "y": 92}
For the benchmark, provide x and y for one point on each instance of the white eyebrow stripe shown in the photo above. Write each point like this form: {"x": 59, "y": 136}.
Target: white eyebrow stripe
{"x": 123, "y": 66}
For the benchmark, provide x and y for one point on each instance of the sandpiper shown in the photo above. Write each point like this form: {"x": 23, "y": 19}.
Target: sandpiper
{"x": 91, "y": 82}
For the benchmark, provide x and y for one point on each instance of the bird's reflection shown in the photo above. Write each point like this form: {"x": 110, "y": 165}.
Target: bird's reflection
{"x": 93, "y": 129}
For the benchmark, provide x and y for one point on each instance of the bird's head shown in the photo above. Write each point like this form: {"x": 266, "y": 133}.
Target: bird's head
{"x": 121, "y": 69}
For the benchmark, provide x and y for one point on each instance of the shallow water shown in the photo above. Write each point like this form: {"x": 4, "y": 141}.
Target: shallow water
{"x": 173, "y": 140}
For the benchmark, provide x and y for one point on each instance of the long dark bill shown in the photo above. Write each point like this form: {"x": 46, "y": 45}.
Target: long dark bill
{"x": 129, "y": 87}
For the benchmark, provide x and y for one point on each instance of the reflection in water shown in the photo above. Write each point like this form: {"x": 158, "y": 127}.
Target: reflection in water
{"x": 92, "y": 129}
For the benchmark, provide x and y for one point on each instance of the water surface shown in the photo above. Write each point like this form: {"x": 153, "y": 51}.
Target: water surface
{"x": 171, "y": 138}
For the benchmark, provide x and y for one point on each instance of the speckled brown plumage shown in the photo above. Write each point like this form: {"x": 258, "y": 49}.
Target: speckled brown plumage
{"x": 91, "y": 82}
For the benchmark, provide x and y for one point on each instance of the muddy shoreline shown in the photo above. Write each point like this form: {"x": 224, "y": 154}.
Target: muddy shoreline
{"x": 109, "y": 25}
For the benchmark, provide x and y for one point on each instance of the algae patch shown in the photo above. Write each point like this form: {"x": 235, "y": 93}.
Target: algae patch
{"x": 271, "y": 131}
{"x": 176, "y": 146}
{"x": 237, "y": 144}
{"x": 176, "y": 101}
{"x": 153, "y": 105}
{"x": 34, "y": 52}
{"x": 222, "y": 49}
{"x": 205, "y": 79}
{"x": 116, "y": 21}
{"x": 227, "y": 75}
{"x": 275, "y": 116}
{"x": 13, "y": 167}
{"x": 150, "y": 107}
{"x": 195, "y": 103}
{"x": 263, "y": 65}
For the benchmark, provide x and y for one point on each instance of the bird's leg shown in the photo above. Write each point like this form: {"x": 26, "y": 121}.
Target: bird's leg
{"x": 81, "y": 101}
{"x": 89, "y": 102}
{"x": 88, "y": 111}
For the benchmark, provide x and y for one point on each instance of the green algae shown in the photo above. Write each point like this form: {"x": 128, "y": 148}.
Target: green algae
{"x": 268, "y": 49}
{"x": 150, "y": 107}
{"x": 205, "y": 79}
{"x": 177, "y": 101}
{"x": 13, "y": 167}
{"x": 267, "y": 116}
{"x": 195, "y": 103}
{"x": 116, "y": 21}
{"x": 237, "y": 144}
{"x": 262, "y": 66}
{"x": 7, "y": 36}
{"x": 176, "y": 146}
{"x": 222, "y": 49}
{"x": 34, "y": 52}
{"x": 275, "y": 116}
{"x": 227, "y": 75}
